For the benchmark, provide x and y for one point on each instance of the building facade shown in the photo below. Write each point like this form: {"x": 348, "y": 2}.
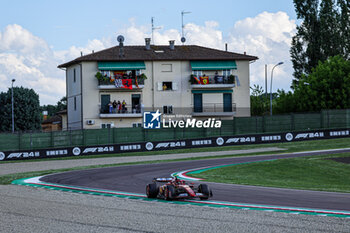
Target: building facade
{"x": 186, "y": 80}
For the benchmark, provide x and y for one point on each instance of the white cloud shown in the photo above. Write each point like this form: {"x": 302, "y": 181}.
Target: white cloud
{"x": 268, "y": 36}
{"x": 31, "y": 61}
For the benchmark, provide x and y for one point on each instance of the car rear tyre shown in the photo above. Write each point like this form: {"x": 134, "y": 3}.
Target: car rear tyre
{"x": 204, "y": 188}
{"x": 152, "y": 190}
{"x": 169, "y": 193}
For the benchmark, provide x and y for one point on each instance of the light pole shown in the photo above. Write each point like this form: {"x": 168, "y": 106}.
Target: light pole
{"x": 280, "y": 63}
{"x": 13, "y": 118}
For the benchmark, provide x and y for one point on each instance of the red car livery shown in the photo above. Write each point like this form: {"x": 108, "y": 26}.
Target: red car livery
{"x": 174, "y": 188}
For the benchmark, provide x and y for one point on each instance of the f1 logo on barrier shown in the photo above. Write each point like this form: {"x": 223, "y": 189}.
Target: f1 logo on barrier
{"x": 151, "y": 120}
{"x": 2, "y": 156}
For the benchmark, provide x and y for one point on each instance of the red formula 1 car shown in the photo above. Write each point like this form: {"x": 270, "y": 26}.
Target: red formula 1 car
{"x": 174, "y": 188}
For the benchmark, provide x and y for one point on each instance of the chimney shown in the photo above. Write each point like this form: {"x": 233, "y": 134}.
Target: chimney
{"x": 44, "y": 115}
{"x": 245, "y": 53}
{"x": 121, "y": 49}
{"x": 172, "y": 44}
{"x": 226, "y": 47}
{"x": 148, "y": 43}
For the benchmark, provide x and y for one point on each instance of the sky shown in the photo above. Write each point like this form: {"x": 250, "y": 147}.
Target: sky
{"x": 38, "y": 35}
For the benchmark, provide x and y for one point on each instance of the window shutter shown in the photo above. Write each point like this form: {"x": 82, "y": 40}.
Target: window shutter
{"x": 175, "y": 87}
{"x": 159, "y": 85}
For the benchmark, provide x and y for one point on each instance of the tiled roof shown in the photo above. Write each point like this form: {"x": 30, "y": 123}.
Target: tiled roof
{"x": 52, "y": 120}
{"x": 139, "y": 53}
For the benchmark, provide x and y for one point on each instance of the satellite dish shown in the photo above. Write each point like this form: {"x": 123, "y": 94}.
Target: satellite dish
{"x": 183, "y": 39}
{"x": 120, "y": 39}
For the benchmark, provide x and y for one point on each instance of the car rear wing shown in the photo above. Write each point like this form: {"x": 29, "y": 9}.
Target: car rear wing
{"x": 162, "y": 179}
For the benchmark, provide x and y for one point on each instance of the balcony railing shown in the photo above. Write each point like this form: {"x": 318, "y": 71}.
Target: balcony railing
{"x": 126, "y": 111}
{"x": 140, "y": 82}
{"x": 212, "y": 79}
{"x": 214, "y": 109}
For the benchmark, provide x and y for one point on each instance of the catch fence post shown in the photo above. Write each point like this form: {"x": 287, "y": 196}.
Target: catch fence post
{"x": 52, "y": 140}
{"x": 70, "y": 137}
{"x": 263, "y": 124}
{"x": 84, "y": 137}
{"x": 113, "y": 135}
{"x": 292, "y": 126}
{"x": 19, "y": 140}
{"x": 109, "y": 136}
{"x": 31, "y": 139}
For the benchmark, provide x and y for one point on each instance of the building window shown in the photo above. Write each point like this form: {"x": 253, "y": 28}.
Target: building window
{"x": 167, "y": 68}
{"x": 168, "y": 109}
{"x": 106, "y": 125}
{"x": 74, "y": 76}
{"x": 136, "y": 125}
{"x": 167, "y": 86}
{"x": 226, "y": 72}
{"x": 75, "y": 103}
{"x": 136, "y": 103}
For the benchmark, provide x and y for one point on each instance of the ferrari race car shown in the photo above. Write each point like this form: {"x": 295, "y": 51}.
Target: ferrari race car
{"x": 174, "y": 188}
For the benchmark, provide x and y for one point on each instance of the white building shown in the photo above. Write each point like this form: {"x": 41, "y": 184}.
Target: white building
{"x": 186, "y": 79}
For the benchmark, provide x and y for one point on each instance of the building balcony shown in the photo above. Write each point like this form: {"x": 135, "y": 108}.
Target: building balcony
{"x": 110, "y": 85}
{"x": 214, "y": 109}
{"x": 212, "y": 82}
{"x": 127, "y": 112}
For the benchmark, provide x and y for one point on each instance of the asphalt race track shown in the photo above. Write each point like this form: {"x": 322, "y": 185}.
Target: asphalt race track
{"x": 134, "y": 179}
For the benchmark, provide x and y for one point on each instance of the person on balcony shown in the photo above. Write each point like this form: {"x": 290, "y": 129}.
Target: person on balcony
{"x": 119, "y": 106}
{"x": 124, "y": 109}
{"x": 110, "y": 107}
{"x": 216, "y": 76}
{"x": 114, "y": 106}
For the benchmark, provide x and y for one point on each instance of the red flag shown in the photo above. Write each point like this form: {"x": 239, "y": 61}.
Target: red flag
{"x": 205, "y": 80}
{"x": 127, "y": 83}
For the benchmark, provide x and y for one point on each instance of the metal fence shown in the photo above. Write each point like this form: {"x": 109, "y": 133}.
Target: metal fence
{"x": 327, "y": 119}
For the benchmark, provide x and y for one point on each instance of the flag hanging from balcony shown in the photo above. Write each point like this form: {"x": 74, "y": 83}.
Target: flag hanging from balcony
{"x": 197, "y": 80}
{"x": 127, "y": 83}
{"x": 205, "y": 80}
{"x": 136, "y": 82}
{"x": 123, "y": 83}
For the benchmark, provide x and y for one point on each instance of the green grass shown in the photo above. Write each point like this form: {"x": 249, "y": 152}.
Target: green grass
{"x": 290, "y": 147}
{"x": 310, "y": 173}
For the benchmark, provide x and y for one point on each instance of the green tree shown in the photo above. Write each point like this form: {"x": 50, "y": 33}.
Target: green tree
{"x": 327, "y": 87}
{"x": 284, "y": 103}
{"x": 258, "y": 101}
{"x": 26, "y": 110}
{"x": 344, "y": 19}
{"x": 324, "y": 32}
{"x": 305, "y": 49}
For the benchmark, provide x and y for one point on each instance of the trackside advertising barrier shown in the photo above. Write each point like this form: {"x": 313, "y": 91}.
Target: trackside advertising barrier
{"x": 174, "y": 144}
